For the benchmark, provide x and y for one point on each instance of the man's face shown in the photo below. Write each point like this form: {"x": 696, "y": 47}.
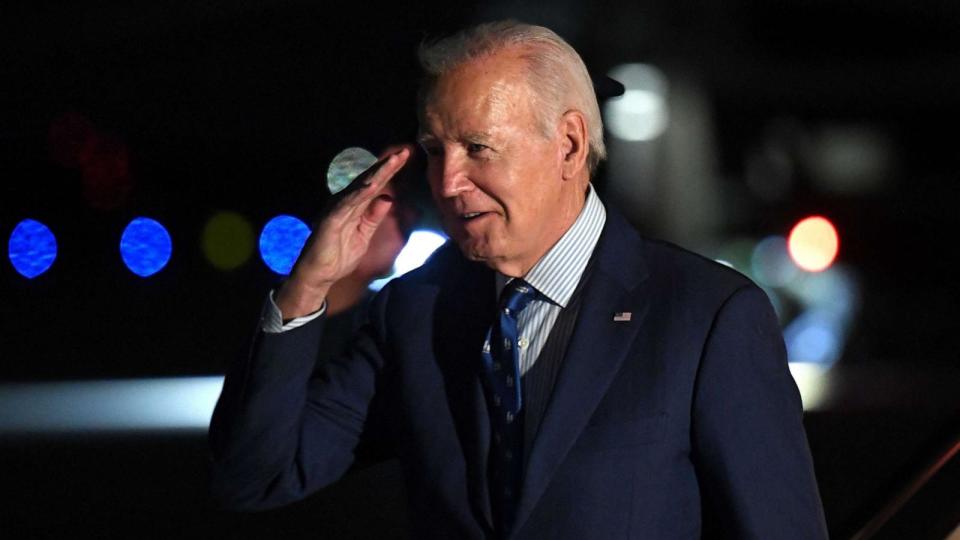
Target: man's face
{"x": 494, "y": 175}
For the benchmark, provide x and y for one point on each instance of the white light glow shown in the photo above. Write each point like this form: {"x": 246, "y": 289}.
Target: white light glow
{"x": 109, "y": 405}
{"x": 812, "y": 381}
{"x": 420, "y": 246}
{"x": 641, "y": 113}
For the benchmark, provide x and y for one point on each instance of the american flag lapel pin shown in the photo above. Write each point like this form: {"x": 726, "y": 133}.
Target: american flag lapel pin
{"x": 622, "y": 316}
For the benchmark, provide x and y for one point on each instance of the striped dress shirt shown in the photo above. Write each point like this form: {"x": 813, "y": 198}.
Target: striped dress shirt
{"x": 556, "y": 276}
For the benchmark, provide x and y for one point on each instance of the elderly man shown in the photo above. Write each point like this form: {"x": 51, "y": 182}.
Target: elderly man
{"x": 619, "y": 387}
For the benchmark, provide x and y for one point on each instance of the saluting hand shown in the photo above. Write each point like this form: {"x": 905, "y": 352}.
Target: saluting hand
{"x": 340, "y": 239}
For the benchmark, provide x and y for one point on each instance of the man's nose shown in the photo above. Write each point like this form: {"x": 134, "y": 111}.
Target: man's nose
{"x": 454, "y": 179}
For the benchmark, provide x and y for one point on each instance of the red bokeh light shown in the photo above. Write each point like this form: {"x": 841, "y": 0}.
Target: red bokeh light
{"x": 103, "y": 160}
{"x": 814, "y": 243}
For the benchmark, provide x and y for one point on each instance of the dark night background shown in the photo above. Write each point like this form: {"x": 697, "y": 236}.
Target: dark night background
{"x": 208, "y": 106}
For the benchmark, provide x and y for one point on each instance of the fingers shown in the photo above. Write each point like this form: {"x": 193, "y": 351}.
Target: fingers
{"x": 375, "y": 213}
{"x": 378, "y": 180}
{"x": 342, "y": 235}
{"x": 396, "y": 148}
{"x": 383, "y": 171}
{"x": 349, "y": 208}
{"x": 372, "y": 181}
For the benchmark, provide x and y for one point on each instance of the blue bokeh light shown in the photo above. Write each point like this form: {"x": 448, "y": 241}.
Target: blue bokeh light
{"x": 145, "y": 246}
{"x": 814, "y": 336}
{"x": 771, "y": 264}
{"x": 281, "y": 240}
{"x": 32, "y": 248}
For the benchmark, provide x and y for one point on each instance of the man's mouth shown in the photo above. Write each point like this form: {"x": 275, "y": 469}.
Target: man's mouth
{"x": 471, "y": 215}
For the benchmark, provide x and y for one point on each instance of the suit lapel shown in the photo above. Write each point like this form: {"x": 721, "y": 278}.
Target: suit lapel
{"x": 594, "y": 355}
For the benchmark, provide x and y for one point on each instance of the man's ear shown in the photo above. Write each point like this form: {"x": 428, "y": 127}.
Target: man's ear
{"x": 573, "y": 146}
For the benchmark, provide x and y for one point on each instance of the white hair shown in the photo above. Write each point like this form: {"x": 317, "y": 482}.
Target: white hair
{"x": 556, "y": 72}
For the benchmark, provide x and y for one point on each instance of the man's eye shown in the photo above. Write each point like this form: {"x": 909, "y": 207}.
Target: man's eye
{"x": 474, "y": 148}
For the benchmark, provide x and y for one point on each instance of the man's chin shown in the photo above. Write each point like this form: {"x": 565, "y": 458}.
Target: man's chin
{"x": 481, "y": 251}
{"x": 473, "y": 251}
{"x": 473, "y": 255}
{"x": 492, "y": 261}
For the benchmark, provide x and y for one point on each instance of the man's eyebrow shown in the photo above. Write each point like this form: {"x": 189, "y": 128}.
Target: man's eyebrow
{"x": 477, "y": 137}
{"x": 474, "y": 137}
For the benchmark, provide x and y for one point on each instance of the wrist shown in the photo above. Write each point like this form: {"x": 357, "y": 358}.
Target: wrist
{"x": 295, "y": 299}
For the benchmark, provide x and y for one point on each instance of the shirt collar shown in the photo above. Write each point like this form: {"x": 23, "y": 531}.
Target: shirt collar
{"x": 558, "y": 272}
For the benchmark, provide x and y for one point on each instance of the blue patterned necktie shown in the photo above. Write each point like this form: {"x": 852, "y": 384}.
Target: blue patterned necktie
{"x": 501, "y": 368}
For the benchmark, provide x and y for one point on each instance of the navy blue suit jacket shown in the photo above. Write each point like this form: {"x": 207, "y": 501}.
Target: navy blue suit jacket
{"x": 681, "y": 422}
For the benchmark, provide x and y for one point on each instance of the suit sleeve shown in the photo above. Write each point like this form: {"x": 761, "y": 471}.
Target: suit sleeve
{"x": 284, "y": 427}
{"x": 749, "y": 447}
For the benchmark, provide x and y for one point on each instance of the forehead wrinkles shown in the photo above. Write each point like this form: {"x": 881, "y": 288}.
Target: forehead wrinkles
{"x": 492, "y": 90}
{"x": 504, "y": 100}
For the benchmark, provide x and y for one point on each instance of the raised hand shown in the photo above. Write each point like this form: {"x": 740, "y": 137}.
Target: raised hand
{"x": 338, "y": 242}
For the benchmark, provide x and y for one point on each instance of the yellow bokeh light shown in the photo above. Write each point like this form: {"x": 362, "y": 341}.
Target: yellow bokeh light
{"x": 227, "y": 240}
{"x": 814, "y": 244}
